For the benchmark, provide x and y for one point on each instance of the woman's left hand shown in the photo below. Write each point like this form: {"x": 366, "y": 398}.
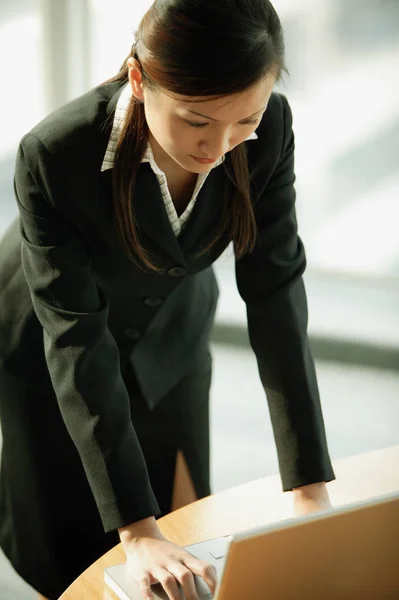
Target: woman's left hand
{"x": 310, "y": 498}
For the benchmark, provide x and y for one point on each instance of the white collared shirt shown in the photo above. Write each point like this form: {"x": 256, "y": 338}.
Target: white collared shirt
{"x": 177, "y": 222}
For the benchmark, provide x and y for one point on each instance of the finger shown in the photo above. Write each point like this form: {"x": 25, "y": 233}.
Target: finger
{"x": 203, "y": 569}
{"x": 145, "y": 588}
{"x": 186, "y": 579}
{"x": 168, "y": 582}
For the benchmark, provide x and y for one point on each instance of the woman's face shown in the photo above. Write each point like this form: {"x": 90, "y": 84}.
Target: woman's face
{"x": 176, "y": 134}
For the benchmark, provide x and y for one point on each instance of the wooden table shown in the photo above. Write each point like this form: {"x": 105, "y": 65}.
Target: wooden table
{"x": 249, "y": 505}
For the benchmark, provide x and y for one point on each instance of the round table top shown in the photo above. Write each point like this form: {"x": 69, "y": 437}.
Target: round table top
{"x": 250, "y": 505}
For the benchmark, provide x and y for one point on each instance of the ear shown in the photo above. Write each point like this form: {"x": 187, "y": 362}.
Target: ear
{"x": 135, "y": 78}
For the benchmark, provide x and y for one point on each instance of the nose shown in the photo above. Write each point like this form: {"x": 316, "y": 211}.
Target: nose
{"x": 217, "y": 146}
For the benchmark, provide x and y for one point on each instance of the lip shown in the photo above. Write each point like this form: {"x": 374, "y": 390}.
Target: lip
{"x": 204, "y": 161}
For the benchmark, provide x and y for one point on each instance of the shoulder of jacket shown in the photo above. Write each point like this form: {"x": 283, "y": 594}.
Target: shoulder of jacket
{"x": 273, "y": 131}
{"x": 277, "y": 118}
{"x": 78, "y": 124}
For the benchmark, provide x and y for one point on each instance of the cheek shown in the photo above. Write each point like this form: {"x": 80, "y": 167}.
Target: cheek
{"x": 165, "y": 134}
{"x": 179, "y": 136}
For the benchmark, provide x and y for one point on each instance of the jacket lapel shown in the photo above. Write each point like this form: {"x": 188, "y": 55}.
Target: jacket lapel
{"x": 199, "y": 229}
{"x": 152, "y": 219}
{"x": 151, "y": 214}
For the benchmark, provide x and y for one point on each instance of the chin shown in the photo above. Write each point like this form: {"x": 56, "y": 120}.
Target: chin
{"x": 191, "y": 166}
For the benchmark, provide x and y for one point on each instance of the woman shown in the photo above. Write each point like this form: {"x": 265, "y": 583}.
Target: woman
{"x": 108, "y": 296}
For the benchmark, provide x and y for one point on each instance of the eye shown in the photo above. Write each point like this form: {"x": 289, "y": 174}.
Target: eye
{"x": 254, "y": 122}
{"x": 199, "y": 125}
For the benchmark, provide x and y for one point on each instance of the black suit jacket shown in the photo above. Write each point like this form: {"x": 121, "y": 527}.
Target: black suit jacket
{"x": 74, "y": 309}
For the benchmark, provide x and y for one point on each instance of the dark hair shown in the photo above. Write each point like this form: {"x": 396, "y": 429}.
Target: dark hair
{"x": 199, "y": 48}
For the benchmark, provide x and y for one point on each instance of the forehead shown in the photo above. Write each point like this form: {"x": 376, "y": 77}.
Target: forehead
{"x": 252, "y": 100}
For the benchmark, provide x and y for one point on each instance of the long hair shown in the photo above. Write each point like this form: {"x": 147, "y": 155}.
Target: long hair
{"x": 197, "y": 48}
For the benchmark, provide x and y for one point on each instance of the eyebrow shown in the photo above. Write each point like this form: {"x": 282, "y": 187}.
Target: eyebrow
{"x": 211, "y": 119}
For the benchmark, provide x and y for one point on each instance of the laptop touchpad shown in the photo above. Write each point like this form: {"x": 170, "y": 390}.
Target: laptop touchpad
{"x": 218, "y": 547}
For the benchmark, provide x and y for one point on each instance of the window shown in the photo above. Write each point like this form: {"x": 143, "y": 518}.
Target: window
{"x": 345, "y": 102}
{"x": 22, "y": 101}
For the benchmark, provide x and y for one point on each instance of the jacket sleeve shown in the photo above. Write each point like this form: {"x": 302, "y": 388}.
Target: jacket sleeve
{"x": 269, "y": 280}
{"x": 81, "y": 354}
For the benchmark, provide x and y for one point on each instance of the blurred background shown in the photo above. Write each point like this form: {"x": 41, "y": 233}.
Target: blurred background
{"x": 343, "y": 57}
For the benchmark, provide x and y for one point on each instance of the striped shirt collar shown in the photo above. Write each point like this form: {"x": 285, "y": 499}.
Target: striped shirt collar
{"x": 119, "y": 120}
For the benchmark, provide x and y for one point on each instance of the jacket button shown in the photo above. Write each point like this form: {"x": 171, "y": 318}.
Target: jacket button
{"x": 177, "y": 272}
{"x": 153, "y": 301}
{"x": 134, "y": 334}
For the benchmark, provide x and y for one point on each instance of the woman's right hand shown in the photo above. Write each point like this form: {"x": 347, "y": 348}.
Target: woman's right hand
{"x": 151, "y": 559}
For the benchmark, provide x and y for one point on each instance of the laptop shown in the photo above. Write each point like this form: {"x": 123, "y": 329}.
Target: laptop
{"x": 344, "y": 553}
